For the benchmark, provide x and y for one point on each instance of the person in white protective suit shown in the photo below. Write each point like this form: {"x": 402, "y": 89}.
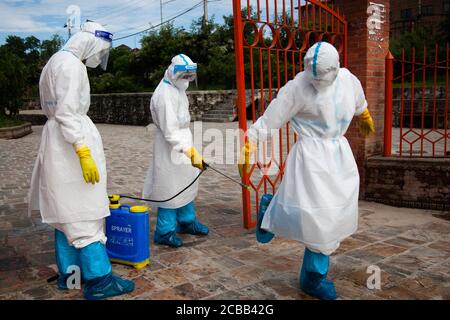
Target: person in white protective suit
{"x": 317, "y": 200}
{"x": 68, "y": 183}
{"x": 175, "y": 162}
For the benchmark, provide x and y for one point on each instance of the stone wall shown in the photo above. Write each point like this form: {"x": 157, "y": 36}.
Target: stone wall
{"x": 417, "y": 183}
{"x": 133, "y": 108}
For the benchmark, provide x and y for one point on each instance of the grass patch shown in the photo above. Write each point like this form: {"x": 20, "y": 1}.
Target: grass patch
{"x": 6, "y": 121}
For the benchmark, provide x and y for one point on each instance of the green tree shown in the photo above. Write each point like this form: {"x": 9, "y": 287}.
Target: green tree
{"x": 50, "y": 47}
{"x": 12, "y": 81}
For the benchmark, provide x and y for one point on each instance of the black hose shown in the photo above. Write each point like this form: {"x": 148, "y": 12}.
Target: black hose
{"x": 150, "y": 200}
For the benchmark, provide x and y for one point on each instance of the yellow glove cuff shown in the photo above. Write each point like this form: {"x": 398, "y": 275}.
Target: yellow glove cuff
{"x": 190, "y": 152}
{"x": 365, "y": 115}
{"x": 83, "y": 152}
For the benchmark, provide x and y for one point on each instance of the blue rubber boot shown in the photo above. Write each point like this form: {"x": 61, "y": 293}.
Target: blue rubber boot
{"x": 66, "y": 257}
{"x": 166, "y": 226}
{"x": 170, "y": 239}
{"x": 188, "y": 223}
{"x": 195, "y": 228}
{"x": 262, "y": 235}
{"x": 100, "y": 282}
{"x": 313, "y": 276}
{"x": 106, "y": 287}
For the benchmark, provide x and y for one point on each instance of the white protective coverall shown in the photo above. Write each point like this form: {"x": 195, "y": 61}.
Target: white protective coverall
{"x": 58, "y": 188}
{"x": 170, "y": 169}
{"x": 317, "y": 200}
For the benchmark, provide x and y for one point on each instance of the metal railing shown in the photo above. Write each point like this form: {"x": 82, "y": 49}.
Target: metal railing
{"x": 417, "y": 104}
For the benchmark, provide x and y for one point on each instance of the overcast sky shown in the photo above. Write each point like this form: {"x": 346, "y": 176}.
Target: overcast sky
{"x": 42, "y": 18}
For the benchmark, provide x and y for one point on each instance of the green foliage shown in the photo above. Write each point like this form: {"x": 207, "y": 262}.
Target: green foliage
{"x": 420, "y": 38}
{"x": 49, "y": 47}
{"x": 13, "y": 75}
{"x": 210, "y": 45}
{"x": 21, "y": 62}
{"x": 8, "y": 121}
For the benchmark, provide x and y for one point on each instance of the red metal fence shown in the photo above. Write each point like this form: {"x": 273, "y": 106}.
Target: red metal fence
{"x": 271, "y": 38}
{"x": 417, "y": 103}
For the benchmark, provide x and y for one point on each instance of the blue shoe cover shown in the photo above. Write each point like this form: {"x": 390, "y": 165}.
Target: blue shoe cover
{"x": 62, "y": 281}
{"x": 66, "y": 256}
{"x": 323, "y": 289}
{"x": 195, "y": 228}
{"x": 263, "y": 236}
{"x": 313, "y": 276}
{"x": 106, "y": 287}
{"x": 170, "y": 239}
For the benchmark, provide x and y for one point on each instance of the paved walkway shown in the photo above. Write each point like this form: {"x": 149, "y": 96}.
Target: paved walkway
{"x": 411, "y": 247}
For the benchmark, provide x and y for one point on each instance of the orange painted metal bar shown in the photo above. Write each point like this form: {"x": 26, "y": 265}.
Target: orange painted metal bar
{"x": 299, "y": 12}
{"x": 435, "y": 88}
{"x": 252, "y": 84}
{"x": 258, "y": 7}
{"x": 402, "y": 100}
{"x": 411, "y": 111}
{"x": 422, "y": 120}
{"x": 275, "y": 8}
{"x": 389, "y": 65}
{"x": 240, "y": 80}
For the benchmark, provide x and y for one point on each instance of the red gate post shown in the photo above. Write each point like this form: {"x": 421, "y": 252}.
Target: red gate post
{"x": 389, "y": 75}
{"x": 242, "y": 114}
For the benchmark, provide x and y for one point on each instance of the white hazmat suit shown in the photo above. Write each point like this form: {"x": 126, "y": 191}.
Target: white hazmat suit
{"x": 170, "y": 169}
{"x": 317, "y": 200}
{"x": 58, "y": 188}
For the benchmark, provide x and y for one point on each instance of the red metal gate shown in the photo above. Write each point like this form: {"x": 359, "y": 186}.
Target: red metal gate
{"x": 417, "y": 103}
{"x": 271, "y": 38}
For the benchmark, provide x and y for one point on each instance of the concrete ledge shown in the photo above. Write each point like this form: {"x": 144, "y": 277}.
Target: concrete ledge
{"x": 35, "y": 117}
{"x": 15, "y": 132}
{"x": 409, "y": 182}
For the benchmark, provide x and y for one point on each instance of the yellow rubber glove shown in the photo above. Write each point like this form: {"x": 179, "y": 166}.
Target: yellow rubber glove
{"x": 244, "y": 160}
{"x": 366, "y": 126}
{"x": 88, "y": 166}
{"x": 196, "y": 158}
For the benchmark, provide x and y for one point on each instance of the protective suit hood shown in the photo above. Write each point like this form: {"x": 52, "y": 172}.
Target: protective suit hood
{"x": 181, "y": 71}
{"x": 91, "y": 44}
{"x": 321, "y": 65}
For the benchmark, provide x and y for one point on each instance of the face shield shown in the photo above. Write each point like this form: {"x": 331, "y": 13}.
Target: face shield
{"x": 185, "y": 72}
{"x": 101, "y": 57}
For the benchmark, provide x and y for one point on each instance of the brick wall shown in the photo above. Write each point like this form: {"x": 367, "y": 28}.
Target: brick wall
{"x": 416, "y": 183}
{"x": 366, "y": 59}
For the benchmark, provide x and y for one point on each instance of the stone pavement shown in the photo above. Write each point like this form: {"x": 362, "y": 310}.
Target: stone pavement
{"x": 411, "y": 247}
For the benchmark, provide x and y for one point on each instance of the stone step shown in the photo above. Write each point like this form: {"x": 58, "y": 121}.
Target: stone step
{"x": 216, "y": 119}
{"x": 229, "y": 108}
{"x": 219, "y": 114}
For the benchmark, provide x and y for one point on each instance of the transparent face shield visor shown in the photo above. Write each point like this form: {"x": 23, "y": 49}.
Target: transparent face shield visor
{"x": 186, "y": 72}
{"x": 104, "y": 56}
{"x": 101, "y": 58}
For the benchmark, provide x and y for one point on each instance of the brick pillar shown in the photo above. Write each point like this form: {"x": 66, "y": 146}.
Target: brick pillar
{"x": 367, "y": 49}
